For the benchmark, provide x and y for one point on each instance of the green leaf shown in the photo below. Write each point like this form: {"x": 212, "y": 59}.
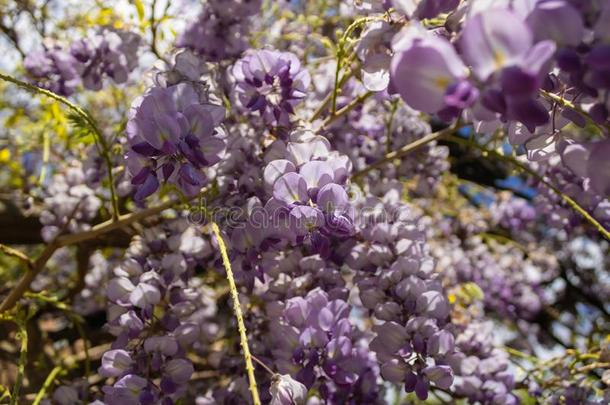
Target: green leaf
{"x": 81, "y": 129}
{"x": 525, "y": 397}
{"x": 140, "y": 8}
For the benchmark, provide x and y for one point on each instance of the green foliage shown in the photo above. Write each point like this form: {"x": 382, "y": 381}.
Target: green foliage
{"x": 80, "y": 129}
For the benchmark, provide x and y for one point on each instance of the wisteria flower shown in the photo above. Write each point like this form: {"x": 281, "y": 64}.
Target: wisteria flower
{"x": 375, "y": 52}
{"x": 173, "y": 137}
{"x": 272, "y": 83}
{"x": 427, "y": 72}
{"x": 507, "y": 58}
{"x": 287, "y": 391}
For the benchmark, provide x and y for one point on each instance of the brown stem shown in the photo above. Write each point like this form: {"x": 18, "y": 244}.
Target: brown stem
{"x": 263, "y": 365}
{"x": 11, "y": 35}
{"x": 154, "y": 26}
{"x": 24, "y": 284}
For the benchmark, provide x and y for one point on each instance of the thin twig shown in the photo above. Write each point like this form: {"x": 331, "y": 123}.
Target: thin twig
{"x": 328, "y": 98}
{"x": 566, "y": 103}
{"x": 591, "y": 367}
{"x": 154, "y": 25}
{"x": 263, "y": 365}
{"x": 336, "y": 86}
{"x": 47, "y": 384}
{"x": 243, "y": 338}
{"x": 353, "y": 104}
{"x": 518, "y": 353}
{"x": 9, "y": 251}
{"x": 396, "y": 154}
{"x": 12, "y": 36}
{"x": 388, "y": 126}
{"x": 68, "y": 363}
{"x": 341, "y": 51}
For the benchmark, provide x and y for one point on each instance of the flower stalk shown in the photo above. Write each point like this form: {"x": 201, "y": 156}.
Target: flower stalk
{"x": 243, "y": 338}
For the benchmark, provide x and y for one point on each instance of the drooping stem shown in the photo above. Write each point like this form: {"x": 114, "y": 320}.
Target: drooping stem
{"x": 99, "y": 137}
{"x": 243, "y": 338}
{"x": 346, "y": 76}
{"x": 388, "y": 126}
{"x": 518, "y": 353}
{"x": 154, "y": 27}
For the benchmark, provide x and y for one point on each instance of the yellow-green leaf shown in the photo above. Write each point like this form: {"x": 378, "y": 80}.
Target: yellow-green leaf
{"x": 140, "y": 8}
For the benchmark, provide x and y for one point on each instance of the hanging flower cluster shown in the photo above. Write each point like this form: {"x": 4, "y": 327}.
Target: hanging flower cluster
{"x": 110, "y": 53}
{"x": 173, "y": 136}
{"x": 309, "y": 202}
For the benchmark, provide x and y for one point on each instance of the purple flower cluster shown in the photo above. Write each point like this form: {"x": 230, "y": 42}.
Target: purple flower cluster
{"x": 173, "y": 136}
{"x": 110, "y": 53}
{"x": 240, "y": 172}
{"x": 157, "y": 312}
{"x": 514, "y": 214}
{"x": 74, "y": 393}
{"x": 581, "y": 33}
{"x": 308, "y": 201}
{"x": 363, "y": 263}
{"x": 293, "y": 275}
{"x": 96, "y": 171}
{"x": 91, "y": 298}
{"x": 366, "y": 140}
{"x": 513, "y": 54}
{"x": 375, "y": 52}
{"x": 314, "y": 340}
{"x": 220, "y": 31}
{"x": 509, "y": 280}
{"x": 585, "y": 181}
{"x": 442, "y": 89}
{"x": 397, "y": 284}
{"x": 272, "y": 83}
{"x": 285, "y": 390}
{"x": 53, "y": 69}
{"x": 513, "y": 65}
{"x": 482, "y": 372}
{"x": 70, "y": 205}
